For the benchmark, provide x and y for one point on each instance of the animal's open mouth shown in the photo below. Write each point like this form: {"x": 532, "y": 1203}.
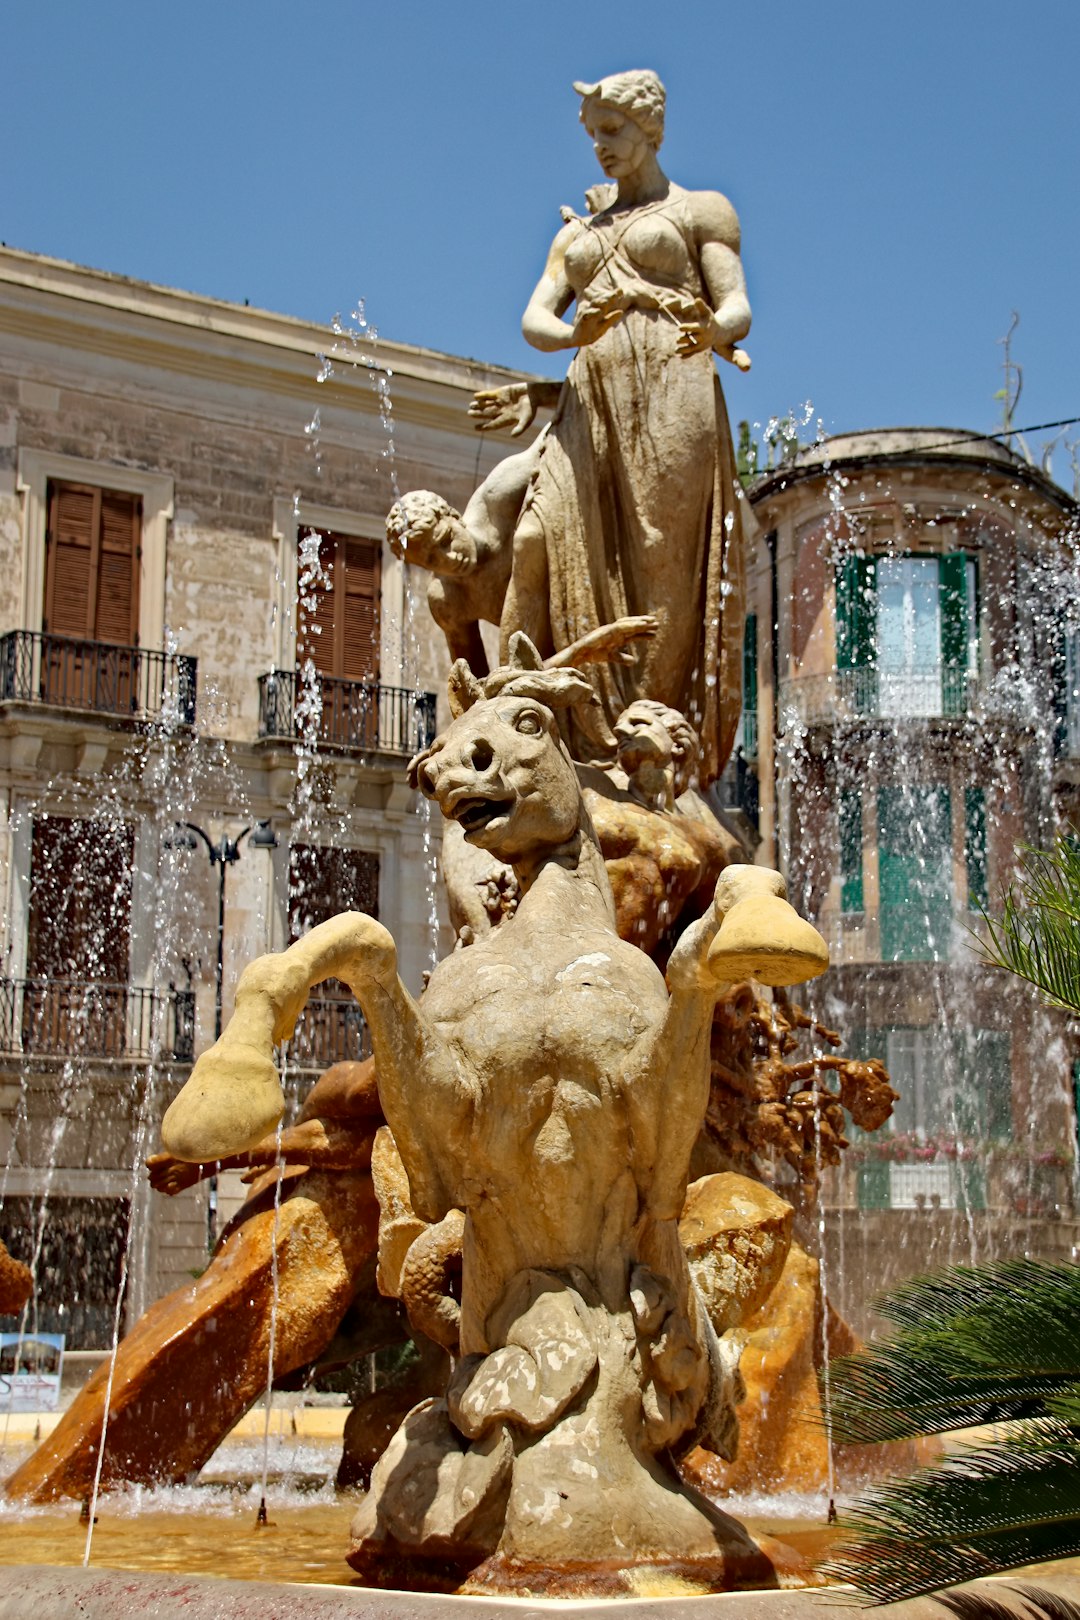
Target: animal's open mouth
{"x": 473, "y": 815}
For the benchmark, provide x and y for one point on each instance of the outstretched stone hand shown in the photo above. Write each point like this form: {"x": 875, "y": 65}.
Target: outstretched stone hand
{"x": 511, "y": 407}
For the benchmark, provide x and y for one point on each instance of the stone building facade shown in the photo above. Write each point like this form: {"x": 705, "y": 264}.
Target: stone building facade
{"x": 912, "y": 694}
{"x": 200, "y": 622}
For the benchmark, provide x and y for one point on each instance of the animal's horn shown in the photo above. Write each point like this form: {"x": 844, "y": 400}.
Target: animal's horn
{"x": 462, "y": 688}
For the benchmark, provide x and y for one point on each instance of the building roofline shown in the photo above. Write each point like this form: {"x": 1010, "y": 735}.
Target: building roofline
{"x": 910, "y": 447}
{"x": 38, "y": 272}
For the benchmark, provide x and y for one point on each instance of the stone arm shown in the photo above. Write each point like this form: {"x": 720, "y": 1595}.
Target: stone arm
{"x": 320, "y": 1144}
{"x": 513, "y": 406}
{"x": 542, "y": 323}
{"x": 669, "y": 1081}
{"x": 233, "y": 1099}
{"x": 716, "y": 228}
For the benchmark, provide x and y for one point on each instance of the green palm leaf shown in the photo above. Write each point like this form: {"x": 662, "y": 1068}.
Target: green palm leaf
{"x": 1037, "y": 936}
{"x": 974, "y": 1346}
{"x": 1016, "y": 1502}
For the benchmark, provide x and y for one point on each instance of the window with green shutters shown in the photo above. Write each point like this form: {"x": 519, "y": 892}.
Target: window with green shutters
{"x": 849, "y": 810}
{"x": 907, "y": 633}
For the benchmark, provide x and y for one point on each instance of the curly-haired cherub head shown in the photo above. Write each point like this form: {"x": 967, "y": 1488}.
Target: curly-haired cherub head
{"x": 423, "y": 529}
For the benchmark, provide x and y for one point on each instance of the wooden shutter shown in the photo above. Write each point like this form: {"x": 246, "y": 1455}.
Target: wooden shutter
{"x": 340, "y": 633}
{"x": 315, "y": 635}
{"x": 92, "y": 568}
{"x": 359, "y": 611}
{"x": 117, "y": 615}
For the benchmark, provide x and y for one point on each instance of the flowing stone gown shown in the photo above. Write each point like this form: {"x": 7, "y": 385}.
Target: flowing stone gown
{"x": 636, "y": 492}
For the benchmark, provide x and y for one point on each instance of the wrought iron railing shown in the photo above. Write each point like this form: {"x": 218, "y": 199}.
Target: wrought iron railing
{"x": 329, "y": 1030}
{"x": 362, "y": 716}
{"x": 90, "y": 1018}
{"x": 933, "y": 691}
{"x": 96, "y": 676}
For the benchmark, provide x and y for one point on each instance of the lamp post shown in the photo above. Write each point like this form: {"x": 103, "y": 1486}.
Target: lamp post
{"x": 226, "y": 852}
{"x": 222, "y": 854}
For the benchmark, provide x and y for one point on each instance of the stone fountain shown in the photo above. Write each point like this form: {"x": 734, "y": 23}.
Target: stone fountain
{"x": 553, "y": 1161}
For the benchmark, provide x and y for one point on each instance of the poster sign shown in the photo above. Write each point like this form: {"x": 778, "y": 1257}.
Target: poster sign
{"x": 30, "y": 1366}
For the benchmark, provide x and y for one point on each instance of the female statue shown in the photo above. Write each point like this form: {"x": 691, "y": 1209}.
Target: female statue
{"x": 635, "y": 506}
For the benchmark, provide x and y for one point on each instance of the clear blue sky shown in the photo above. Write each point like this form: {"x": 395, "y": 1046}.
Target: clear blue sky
{"x": 906, "y": 174}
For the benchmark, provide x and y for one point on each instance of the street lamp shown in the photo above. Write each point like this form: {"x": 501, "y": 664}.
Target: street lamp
{"x": 222, "y": 854}
{"x": 226, "y": 852}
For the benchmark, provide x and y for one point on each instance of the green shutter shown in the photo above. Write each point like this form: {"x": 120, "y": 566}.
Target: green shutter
{"x": 749, "y": 663}
{"x": 996, "y": 1065}
{"x": 955, "y": 631}
{"x": 749, "y": 687}
{"x": 851, "y": 849}
{"x": 856, "y": 613}
{"x": 975, "y": 848}
{"x": 874, "y": 1187}
{"x": 915, "y": 872}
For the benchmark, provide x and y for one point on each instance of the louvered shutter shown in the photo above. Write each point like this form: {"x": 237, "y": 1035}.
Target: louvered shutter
{"x": 315, "y": 639}
{"x": 359, "y": 611}
{"x": 117, "y": 607}
{"x": 73, "y": 524}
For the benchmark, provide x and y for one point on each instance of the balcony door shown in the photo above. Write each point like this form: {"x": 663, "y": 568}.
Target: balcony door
{"x": 91, "y": 609}
{"x": 78, "y": 940}
{"x": 339, "y": 633}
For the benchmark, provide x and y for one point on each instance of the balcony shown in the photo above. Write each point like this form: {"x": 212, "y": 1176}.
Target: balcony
{"x": 96, "y": 677}
{"x": 86, "y": 1018}
{"x": 933, "y": 691}
{"x": 329, "y": 1030}
{"x": 358, "y": 716}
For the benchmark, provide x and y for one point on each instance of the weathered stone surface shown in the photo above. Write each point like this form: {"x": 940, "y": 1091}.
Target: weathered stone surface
{"x": 736, "y": 1234}
{"x": 16, "y": 1283}
{"x": 199, "y": 1357}
{"x": 549, "y": 1087}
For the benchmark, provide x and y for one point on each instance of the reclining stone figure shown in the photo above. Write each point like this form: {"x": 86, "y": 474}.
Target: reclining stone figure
{"x": 550, "y": 1086}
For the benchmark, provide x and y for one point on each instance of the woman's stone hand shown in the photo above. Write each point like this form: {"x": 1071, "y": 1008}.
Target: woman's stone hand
{"x": 594, "y": 320}
{"x": 698, "y": 333}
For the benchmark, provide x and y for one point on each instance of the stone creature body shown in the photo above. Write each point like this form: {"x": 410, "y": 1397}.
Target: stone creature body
{"x": 550, "y": 1086}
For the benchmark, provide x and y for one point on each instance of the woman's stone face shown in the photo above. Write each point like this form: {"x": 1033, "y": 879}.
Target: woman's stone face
{"x": 619, "y": 143}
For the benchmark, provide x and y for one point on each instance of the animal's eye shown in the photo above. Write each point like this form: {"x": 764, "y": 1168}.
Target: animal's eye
{"x": 529, "y": 723}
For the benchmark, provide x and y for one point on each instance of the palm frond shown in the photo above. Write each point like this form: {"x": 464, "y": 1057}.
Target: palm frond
{"x": 1042, "y": 1603}
{"x": 909, "y": 1386}
{"x": 1037, "y": 936}
{"x": 1013, "y": 1314}
{"x": 1016, "y": 1502}
{"x": 974, "y": 1346}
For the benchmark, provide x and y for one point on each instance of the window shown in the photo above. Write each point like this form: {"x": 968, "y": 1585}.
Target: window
{"x": 78, "y": 1245}
{"x": 92, "y": 555}
{"x": 40, "y": 473}
{"x": 915, "y": 873}
{"x": 851, "y": 849}
{"x": 78, "y": 938}
{"x": 907, "y": 633}
{"x": 955, "y": 1097}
